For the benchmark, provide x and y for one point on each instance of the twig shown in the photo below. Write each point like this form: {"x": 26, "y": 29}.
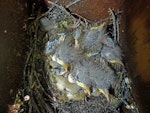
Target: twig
{"x": 64, "y": 9}
{"x": 34, "y": 106}
{"x": 114, "y": 26}
{"x": 118, "y": 35}
{"x": 35, "y": 74}
{"x": 60, "y": 7}
{"x": 72, "y": 3}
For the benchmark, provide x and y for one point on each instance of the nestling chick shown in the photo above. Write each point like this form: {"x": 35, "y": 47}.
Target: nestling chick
{"x": 70, "y": 90}
{"x": 47, "y": 24}
{"x": 66, "y": 53}
{"x": 110, "y": 52}
{"x": 63, "y": 84}
{"x": 94, "y": 75}
{"x": 92, "y": 39}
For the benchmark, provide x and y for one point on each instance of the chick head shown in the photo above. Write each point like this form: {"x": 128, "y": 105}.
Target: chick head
{"x": 70, "y": 91}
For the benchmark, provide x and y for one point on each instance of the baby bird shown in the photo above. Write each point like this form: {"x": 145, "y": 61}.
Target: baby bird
{"x": 69, "y": 90}
{"x": 66, "y": 53}
{"x": 110, "y": 52}
{"x": 95, "y": 75}
{"x": 92, "y": 39}
{"x": 84, "y": 72}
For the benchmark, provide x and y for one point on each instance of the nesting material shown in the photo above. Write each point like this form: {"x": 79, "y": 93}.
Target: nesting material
{"x": 71, "y": 65}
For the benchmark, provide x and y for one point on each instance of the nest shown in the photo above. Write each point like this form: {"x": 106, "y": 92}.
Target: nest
{"x": 44, "y": 35}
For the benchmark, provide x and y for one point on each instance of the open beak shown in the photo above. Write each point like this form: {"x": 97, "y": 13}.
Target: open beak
{"x": 66, "y": 66}
{"x": 105, "y": 93}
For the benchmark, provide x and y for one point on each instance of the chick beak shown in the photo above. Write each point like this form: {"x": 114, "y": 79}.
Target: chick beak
{"x": 105, "y": 93}
{"x": 76, "y": 46}
{"x": 98, "y": 27}
{"x": 85, "y": 87}
{"x": 66, "y": 66}
{"x": 116, "y": 62}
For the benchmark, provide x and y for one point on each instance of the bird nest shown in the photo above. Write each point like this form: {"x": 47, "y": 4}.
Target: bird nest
{"x": 74, "y": 65}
